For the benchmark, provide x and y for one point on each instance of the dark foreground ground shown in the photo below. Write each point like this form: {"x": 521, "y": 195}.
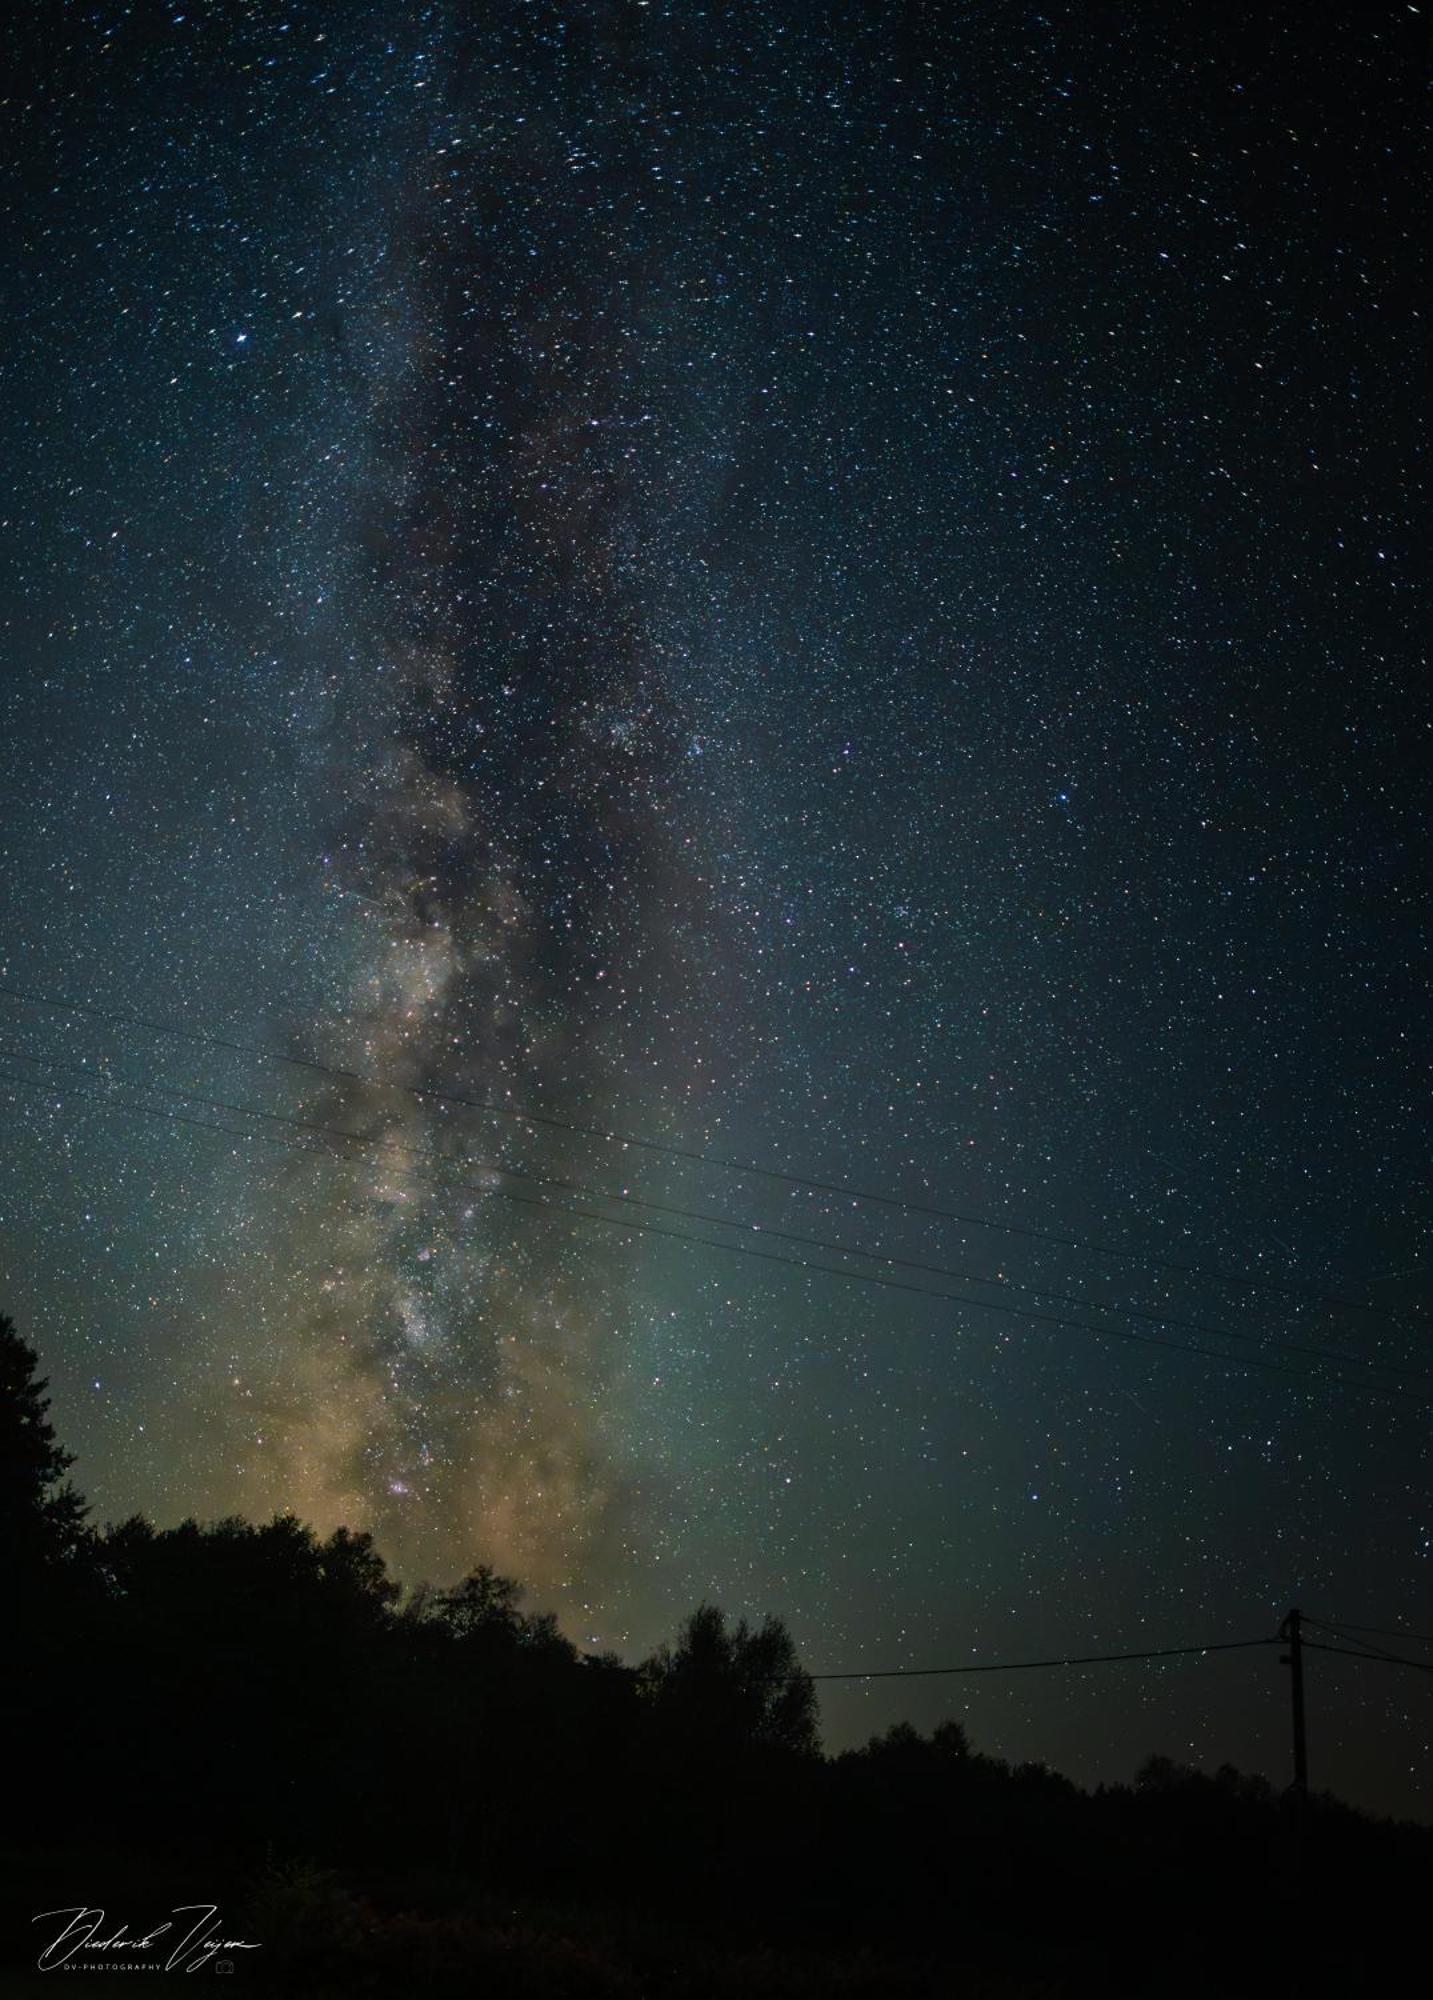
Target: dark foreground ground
{"x": 1008, "y": 1924}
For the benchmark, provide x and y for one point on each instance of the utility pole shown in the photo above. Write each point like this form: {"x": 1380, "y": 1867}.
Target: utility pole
{"x": 1291, "y": 1632}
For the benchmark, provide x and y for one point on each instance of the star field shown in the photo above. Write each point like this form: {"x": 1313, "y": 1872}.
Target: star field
{"x": 842, "y": 593}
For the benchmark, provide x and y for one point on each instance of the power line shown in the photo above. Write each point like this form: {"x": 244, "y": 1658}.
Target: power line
{"x": 1392, "y": 1659}
{"x": 706, "y": 1217}
{"x": 695, "y": 1157}
{"x": 767, "y": 1256}
{"x": 1025, "y": 1666}
{"x": 1378, "y": 1631}
{"x": 1366, "y": 1646}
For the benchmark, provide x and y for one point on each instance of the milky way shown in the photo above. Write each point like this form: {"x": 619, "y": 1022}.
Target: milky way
{"x": 841, "y": 594}
{"x": 509, "y": 848}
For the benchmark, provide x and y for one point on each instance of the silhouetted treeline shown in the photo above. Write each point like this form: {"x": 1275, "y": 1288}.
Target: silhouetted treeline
{"x": 408, "y": 1786}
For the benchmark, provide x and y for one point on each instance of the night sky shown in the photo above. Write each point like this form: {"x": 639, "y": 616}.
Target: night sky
{"x": 840, "y": 590}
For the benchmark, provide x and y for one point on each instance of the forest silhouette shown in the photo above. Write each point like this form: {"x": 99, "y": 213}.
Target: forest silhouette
{"x": 435, "y": 1791}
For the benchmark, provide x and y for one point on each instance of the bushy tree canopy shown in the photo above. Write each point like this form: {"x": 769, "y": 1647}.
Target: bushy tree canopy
{"x": 723, "y": 1686}
{"x": 41, "y": 1514}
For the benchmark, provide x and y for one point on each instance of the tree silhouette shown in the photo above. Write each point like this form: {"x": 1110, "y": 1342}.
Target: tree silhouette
{"x": 483, "y": 1605}
{"x": 42, "y": 1517}
{"x": 721, "y": 1688}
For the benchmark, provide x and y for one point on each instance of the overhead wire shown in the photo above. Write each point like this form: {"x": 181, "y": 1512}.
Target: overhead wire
{"x": 1366, "y": 1646}
{"x": 844, "y": 1190}
{"x": 1379, "y": 1631}
{"x": 628, "y": 1224}
{"x": 163, "y": 1086}
{"x": 1026, "y": 1666}
{"x": 1391, "y": 1659}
